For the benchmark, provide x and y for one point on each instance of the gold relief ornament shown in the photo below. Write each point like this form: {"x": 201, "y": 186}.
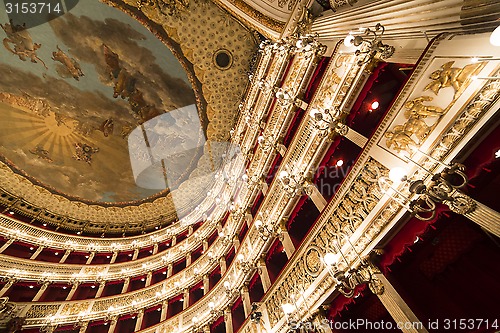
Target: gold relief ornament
{"x": 400, "y": 138}
{"x": 448, "y": 76}
{"x": 312, "y": 261}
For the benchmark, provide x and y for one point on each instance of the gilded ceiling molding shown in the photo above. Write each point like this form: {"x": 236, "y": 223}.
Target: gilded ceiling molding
{"x": 262, "y": 23}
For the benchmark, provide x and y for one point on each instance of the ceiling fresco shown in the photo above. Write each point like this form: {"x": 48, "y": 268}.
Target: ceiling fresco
{"x": 74, "y": 88}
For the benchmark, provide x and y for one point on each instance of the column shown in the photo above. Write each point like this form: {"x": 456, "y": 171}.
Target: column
{"x": 7, "y": 286}
{"x": 136, "y": 254}
{"x": 185, "y": 303}
{"x": 205, "y": 245}
{"x": 350, "y": 134}
{"x": 264, "y": 274}
{"x": 41, "y": 291}
{"x": 228, "y": 320}
{"x": 72, "y": 292}
{"x": 190, "y": 230}
{"x": 125, "y": 285}
{"x": 164, "y": 308}
{"x": 6, "y": 245}
{"x": 485, "y": 217}
{"x": 148, "y": 279}
{"x": 36, "y": 253}
{"x": 138, "y": 323}
{"x": 248, "y": 217}
{"x": 281, "y": 149}
{"x": 155, "y": 248}
{"x": 236, "y": 242}
{"x": 174, "y": 240}
{"x": 188, "y": 259}
{"x": 206, "y": 284}
{"x": 315, "y": 195}
{"x": 170, "y": 269}
{"x": 65, "y": 256}
{"x": 245, "y": 297}
{"x": 89, "y": 259}
{"x": 102, "y": 284}
{"x": 222, "y": 263}
{"x": 113, "y": 257}
{"x": 263, "y": 186}
{"x": 83, "y": 326}
{"x": 397, "y": 307}
{"x": 112, "y": 325}
{"x": 286, "y": 241}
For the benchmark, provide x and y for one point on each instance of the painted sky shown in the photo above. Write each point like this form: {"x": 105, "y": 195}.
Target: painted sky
{"x": 76, "y": 111}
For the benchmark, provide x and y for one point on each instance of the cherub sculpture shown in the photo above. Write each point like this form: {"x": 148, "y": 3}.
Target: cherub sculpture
{"x": 398, "y": 140}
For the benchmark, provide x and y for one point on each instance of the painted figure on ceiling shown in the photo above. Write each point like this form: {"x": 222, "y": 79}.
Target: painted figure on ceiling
{"x": 71, "y": 65}
{"x": 20, "y": 43}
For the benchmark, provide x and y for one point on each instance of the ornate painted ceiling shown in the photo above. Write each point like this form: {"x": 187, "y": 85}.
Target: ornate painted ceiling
{"x": 74, "y": 89}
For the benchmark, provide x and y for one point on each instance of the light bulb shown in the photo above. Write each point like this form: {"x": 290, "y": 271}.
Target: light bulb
{"x": 495, "y": 37}
{"x": 349, "y": 40}
{"x": 397, "y": 174}
{"x": 330, "y": 259}
{"x": 287, "y": 308}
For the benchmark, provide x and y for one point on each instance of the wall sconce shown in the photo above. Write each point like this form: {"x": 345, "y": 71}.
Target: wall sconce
{"x": 442, "y": 189}
{"x": 371, "y": 44}
{"x": 265, "y": 232}
{"x": 265, "y": 86}
{"x": 309, "y": 43}
{"x": 245, "y": 266}
{"x": 285, "y": 98}
{"x": 352, "y": 276}
{"x": 269, "y": 142}
{"x": 293, "y": 184}
{"x": 326, "y": 120}
{"x": 230, "y": 292}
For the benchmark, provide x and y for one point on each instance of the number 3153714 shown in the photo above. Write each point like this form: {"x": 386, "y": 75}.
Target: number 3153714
{"x": 32, "y": 8}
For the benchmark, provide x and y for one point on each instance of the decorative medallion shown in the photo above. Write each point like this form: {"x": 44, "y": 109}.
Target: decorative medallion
{"x": 312, "y": 261}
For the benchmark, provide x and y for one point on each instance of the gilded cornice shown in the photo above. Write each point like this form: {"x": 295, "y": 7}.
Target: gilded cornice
{"x": 259, "y": 17}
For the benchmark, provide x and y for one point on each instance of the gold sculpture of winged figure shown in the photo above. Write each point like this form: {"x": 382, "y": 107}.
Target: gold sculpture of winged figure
{"x": 448, "y": 76}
